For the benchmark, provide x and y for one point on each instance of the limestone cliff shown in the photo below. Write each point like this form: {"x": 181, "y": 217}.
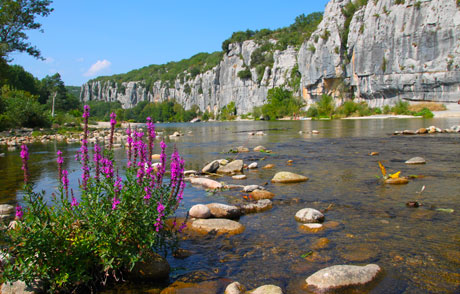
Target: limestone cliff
{"x": 385, "y": 50}
{"x": 210, "y": 90}
{"x": 409, "y": 50}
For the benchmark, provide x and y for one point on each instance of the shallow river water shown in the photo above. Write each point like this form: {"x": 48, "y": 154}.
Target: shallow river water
{"x": 418, "y": 248}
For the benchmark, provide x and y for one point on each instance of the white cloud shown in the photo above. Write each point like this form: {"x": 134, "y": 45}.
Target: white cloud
{"x": 49, "y": 60}
{"x": 97, "y": 68}
{"x": 81, "y": 59}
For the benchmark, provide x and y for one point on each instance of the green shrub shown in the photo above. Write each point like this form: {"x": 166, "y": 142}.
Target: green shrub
{"x": 425, "y": 112}
{"x": 401, "y": 107}
{"x": 326, "y": 106}
{"x": 312, "y": 111}
{"x": 281, "y": 103}
{"x": 245, "y": 74}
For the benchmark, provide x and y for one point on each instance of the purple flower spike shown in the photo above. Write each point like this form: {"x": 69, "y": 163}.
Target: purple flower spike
{"x": 115, "y": 202}
{"x": 25, "y": 158}
{"x": 113, "y": 122}
{"x": 19, "y": 212}
{"x": 86, "y": 111}
{"x": 65, "y": 181}
{"x": 60, "y": 161}
{"x": 74, "y": 202}
{"x": 152, "y": 135}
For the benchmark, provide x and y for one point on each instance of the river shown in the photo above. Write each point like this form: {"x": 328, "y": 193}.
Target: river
{"x": 418, "y": 248}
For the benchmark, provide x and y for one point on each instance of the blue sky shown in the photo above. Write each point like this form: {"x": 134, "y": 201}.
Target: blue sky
{"x": 87, "y": 38}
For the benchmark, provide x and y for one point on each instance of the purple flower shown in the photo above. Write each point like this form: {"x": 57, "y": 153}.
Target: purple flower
{"x": 117, "y": 186}
{"x": 152, "y": 135}
{"x": 86, "y": 111}
{"x": 158, "y": 224}
{"x": 97, "y": 159}
{"x": 148, "y": 193}
{"x": 182, "y": 227}
{"x": 84, "y": 162}
{"x": 107, "y": 168}
{"x": 74, "y": 202}
{"x": 113, "y": 122}
{"x": 130, "y": 144}
{"x": 25, "y": 158}
{"x": 19, "y": 212}
{"x": 60, "y": 161}
{"x": 115, "y": 202}
{"x": 65, "y": 181}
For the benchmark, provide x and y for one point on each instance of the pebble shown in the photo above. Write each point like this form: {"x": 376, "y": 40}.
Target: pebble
{"x": 211, "y": 167}
{"x": 242, "y": 149}
{"x": 312, "y": 228}
{"x": 416, "y": 160}
{"x": 315, "y": 132}
{"x": 200, "y": 211}
{"x": 239, "y": 177}
{"x": 252, "y": 165}
{"x": 397, "y": 181}
{"x": 232, "y": 167}
{"x": 260, "y": 205}
{"x": 269, "y": 166}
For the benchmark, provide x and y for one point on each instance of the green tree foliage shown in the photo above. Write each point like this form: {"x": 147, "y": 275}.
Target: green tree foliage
{"x": 228, "y": 112}
{"x": 53, "y": 87}
{"x": 20, "y": 109}
{"x": 325, "y": 106}
{"x": 16, "y": 17}
{"x": 245, "y": 74}
{"x": 281, "y": 103}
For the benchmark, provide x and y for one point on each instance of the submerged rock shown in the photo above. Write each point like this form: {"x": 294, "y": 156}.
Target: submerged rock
{"x": 288, "y": 177}
{"x": 416, "y": 160}
{"x": 242, "y": 149}
{"x": 312, "y": 228}
{"x": 219, "y": 225}
{"x": 261, "y": 194}
{"x": 155, "y": 268}
{"x": 269, "y": 166}
{"x": 339, "y": 276}
{"x": 309, "y": 215}
{"x": 200, "y": 211}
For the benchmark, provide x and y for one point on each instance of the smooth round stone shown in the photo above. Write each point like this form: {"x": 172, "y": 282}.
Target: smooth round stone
{"x": 207, "y": 183}
{"x": 190, "y": 172}
{"x": 200, "y": 211}
{"x": 239, "y": 177}
{"x": 235, "y": 288}
{"x": 422, "y": 131}
{"x": 309, "y": 215}
{"x": 315, "y": 132}
{"x": 259, "y": 206}
{"x": 6, "y": 209}
{"x": 219, "y": 210}
{"x": 397, "y": 181}
{"x": 267, "y": 289}
{"x": 259, "y": 148}
{"x": 416, "y": 160}
{"x": 219, "y": 225}
{"x": 374, "y": 153}
{"x": 288, "y": 177}
{"x": 312, "y": 228}
{"x": 261, "y": 194}
{"x": 339, "y": 276}
{"x": 252, "y": 165}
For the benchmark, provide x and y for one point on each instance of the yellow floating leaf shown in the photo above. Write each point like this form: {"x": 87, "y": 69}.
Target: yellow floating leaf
{"x": 395, "y": 175}
{"x": 382, "y": 168}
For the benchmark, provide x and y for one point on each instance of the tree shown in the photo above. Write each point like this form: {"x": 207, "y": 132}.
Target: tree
{"x": 16, "y": 17}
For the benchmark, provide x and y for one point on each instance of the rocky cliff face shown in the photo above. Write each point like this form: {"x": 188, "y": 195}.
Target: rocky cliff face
{"x": 210, "y": 90}
{"x": 383, "y": 52}
{"x": 394, "y": 51}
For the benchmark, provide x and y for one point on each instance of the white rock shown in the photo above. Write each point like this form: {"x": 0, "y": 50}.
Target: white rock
{"x": 309, "y": 215}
